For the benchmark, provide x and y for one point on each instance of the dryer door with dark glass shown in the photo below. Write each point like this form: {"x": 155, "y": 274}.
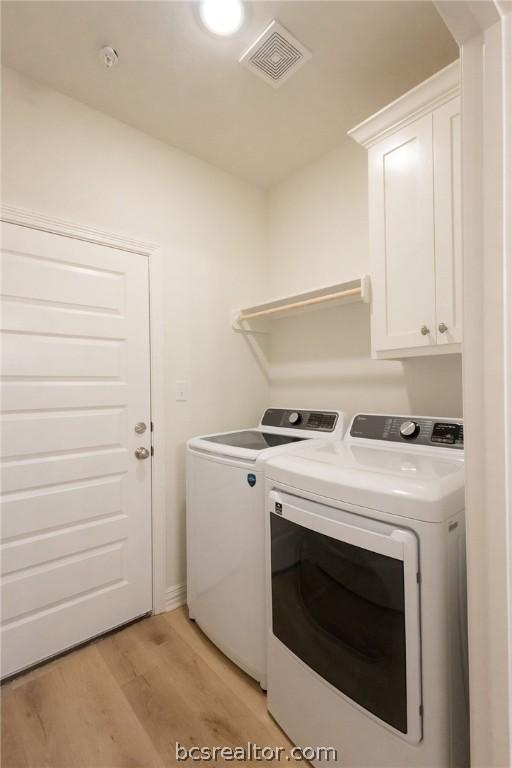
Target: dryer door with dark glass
{"x": 345, "y": 600}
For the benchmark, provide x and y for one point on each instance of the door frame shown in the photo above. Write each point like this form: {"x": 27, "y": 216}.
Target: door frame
{"x": 25, "y": 218}
{"x": 483, "y": 31}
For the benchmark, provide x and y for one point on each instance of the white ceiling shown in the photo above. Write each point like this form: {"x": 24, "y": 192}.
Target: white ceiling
{"x": 186, "y": 87}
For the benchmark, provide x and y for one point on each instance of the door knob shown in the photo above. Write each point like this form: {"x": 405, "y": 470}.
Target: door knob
{"x": 141, "y": 453}
{"x": 140, "y": 428}
{"x": 442, "y": 327}
{"x": 425, "y": 330}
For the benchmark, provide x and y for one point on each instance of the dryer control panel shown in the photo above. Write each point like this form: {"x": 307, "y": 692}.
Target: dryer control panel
{"x": 318, "y": 421}
{"x": 419, "y": 430}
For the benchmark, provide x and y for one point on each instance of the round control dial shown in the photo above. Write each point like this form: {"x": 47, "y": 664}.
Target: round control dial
{"x": 409, "y": 429}
{"x": 295, "y": 418}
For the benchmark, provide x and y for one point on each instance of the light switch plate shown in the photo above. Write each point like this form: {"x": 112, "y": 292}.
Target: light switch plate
{"x": 181, "y": 391}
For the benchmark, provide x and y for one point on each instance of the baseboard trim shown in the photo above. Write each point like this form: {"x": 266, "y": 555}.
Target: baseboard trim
{"x": 175, "y": 596}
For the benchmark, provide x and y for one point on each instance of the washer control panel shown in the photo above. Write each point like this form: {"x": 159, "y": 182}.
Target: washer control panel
{"x": 319, "y": 421}
{"x": 413, "y": 430}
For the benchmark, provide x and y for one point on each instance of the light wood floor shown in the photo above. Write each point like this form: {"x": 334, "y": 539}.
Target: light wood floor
{"x": 125, "y": 700}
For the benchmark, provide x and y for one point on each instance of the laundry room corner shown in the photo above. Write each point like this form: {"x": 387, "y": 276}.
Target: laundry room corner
{"x": 256, "y": 383}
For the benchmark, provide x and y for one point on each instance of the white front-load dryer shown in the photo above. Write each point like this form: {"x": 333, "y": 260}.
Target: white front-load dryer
{"x": 366, "y": 594}
{"x": 226, "y": 528}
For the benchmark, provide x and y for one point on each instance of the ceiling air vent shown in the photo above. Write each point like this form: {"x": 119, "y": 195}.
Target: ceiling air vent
{"x": 275, "y": 55}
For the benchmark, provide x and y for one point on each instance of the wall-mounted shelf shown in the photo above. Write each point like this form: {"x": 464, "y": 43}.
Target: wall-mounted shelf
{"x": 250, "y": 319}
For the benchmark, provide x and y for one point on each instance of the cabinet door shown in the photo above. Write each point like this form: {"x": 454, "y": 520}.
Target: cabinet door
{"x": 447, "y": 202}
{"x": 402, "y": 239}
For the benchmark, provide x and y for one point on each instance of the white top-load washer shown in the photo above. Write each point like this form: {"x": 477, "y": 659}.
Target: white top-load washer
{"x": 366, "y": 594}
{"x": 226, "y": 528}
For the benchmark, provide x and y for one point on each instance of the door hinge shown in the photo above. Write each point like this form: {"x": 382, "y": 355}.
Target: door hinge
{"x": 151, "y": 426}
{"x": 152, "y": 451}
{"x": 421, "y": 710}
{"x": 418, "y": 577}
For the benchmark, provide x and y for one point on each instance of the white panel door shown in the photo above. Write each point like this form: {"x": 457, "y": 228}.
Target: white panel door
{"x": 76, "y": 503}
{"x": 448, "y": 218}
{"x": 402, "y": 238}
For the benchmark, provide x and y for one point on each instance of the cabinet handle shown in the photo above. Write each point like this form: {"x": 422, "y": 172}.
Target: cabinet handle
{"x": 442, "y": 327}
{"x": 425, "y": 330}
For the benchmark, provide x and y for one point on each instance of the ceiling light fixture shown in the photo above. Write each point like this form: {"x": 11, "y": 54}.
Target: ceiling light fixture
{"x": 222, "y": 17}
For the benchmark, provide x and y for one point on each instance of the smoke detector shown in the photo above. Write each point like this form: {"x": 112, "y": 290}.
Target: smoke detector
{"x": 108, "y": 56}
{"x": 275, "y": 56}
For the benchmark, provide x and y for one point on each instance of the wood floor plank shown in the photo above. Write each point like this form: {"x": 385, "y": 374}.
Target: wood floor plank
{"x": 41, "y": 716}
{"x": 131, "y": 653}
{"x": 106, "y": 717}
{"x": 241, "y": 684}
{"x": 12, "y": 751}
{"x": 213, "y": 700}
{"x": 164, "y": 714}
{"x": 76, "y": 716}
{"x": 125, "y": 700}
{"x": 183, "y": 699}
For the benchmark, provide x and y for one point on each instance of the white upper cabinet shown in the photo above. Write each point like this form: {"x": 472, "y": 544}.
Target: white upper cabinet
{"x": 415, "y": 219}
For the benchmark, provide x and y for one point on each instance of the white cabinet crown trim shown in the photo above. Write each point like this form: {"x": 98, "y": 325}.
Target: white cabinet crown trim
{"x": 419, "y": 101}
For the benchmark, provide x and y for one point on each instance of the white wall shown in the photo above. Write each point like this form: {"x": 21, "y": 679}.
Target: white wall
{"x": 318, "y": 228}
{"x": 63, "y": 159}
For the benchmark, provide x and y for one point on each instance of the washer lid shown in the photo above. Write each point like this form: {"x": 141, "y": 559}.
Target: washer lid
{"x": 419, "y": 485}
{"x": 248, "y": 445}
{"x": 253, "y": 439}
{"x": 280, "y": 429}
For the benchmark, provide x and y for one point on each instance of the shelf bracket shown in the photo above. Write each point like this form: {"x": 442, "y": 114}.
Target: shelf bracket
{"x": 245, "y": 326}
{"x": 366, "y": 289}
